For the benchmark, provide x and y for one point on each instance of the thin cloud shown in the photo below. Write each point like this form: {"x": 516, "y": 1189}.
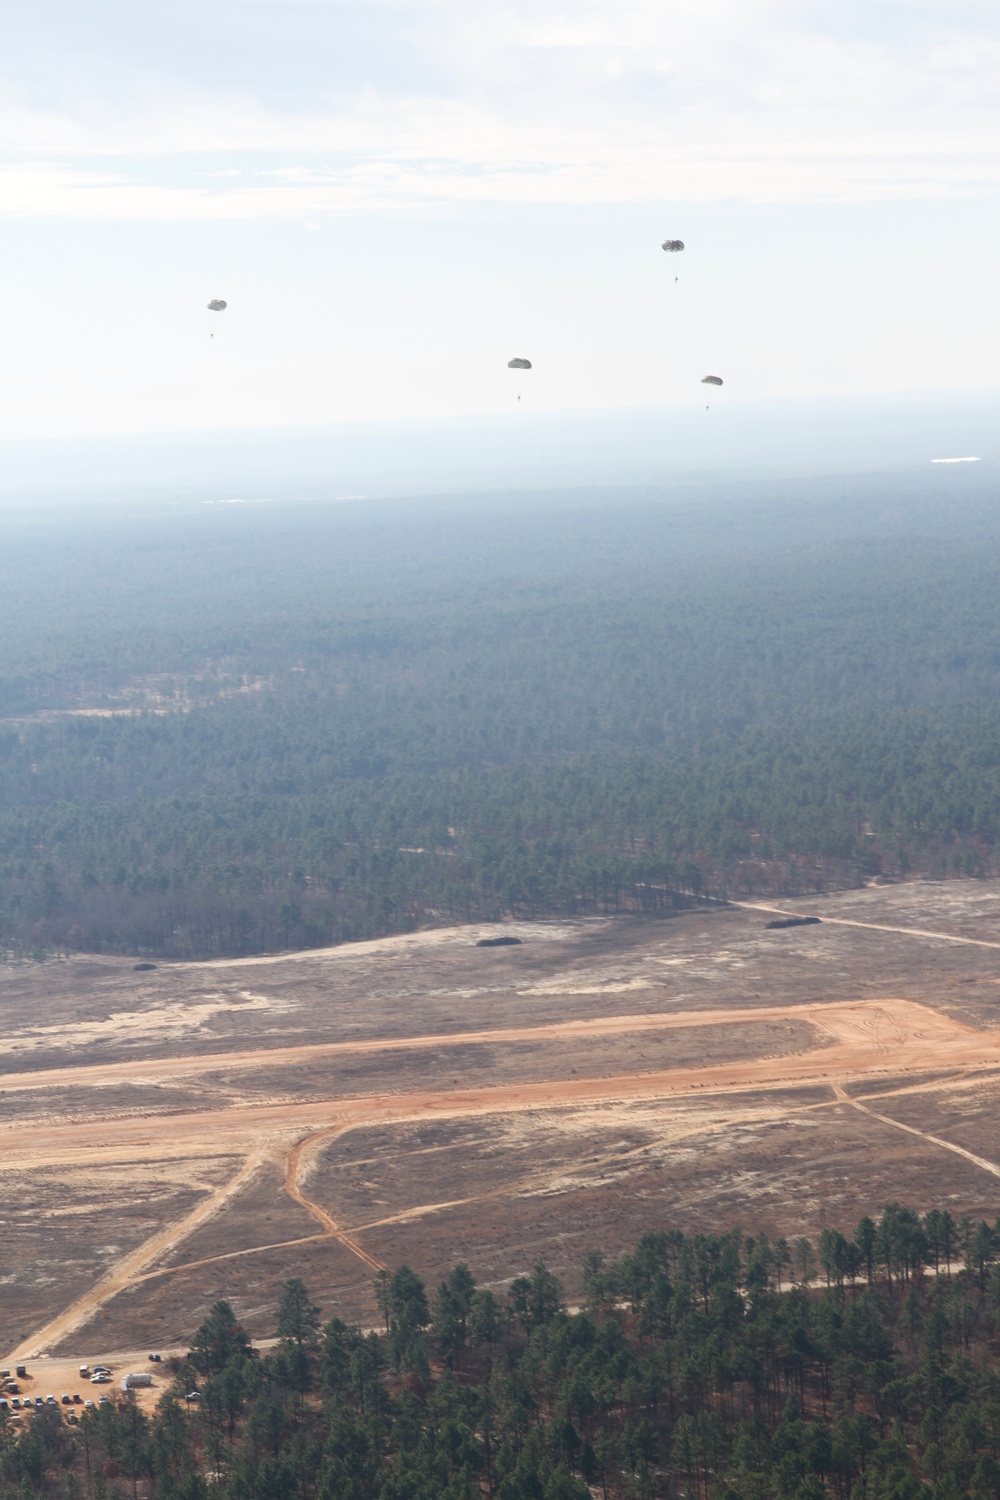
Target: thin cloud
{"x": 548, "y": 102}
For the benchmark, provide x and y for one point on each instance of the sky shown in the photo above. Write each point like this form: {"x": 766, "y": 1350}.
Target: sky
{"x": 395, "y": 199}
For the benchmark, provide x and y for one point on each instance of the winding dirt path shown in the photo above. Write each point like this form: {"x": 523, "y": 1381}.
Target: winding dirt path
{"x": 293, "y": 1169}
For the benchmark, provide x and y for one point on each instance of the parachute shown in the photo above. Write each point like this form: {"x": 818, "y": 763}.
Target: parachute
{"x": 672, "y": 246}
{"x": 519, "y": 364}
{"x": 711, "y": 380}
{"x": 217, "y": 305}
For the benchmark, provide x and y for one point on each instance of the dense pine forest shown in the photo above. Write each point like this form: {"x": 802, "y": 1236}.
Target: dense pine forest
{"x": 247, "y": 727}
{"x": 701, "y": 1366}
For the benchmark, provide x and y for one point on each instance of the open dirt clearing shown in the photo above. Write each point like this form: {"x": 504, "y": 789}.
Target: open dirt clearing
{"x": 423, "y": 1099}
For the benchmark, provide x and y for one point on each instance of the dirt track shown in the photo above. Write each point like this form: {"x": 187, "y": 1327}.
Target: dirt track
{"x": 898, "y": 1021}
{"x": 860, "y": 1040}
{"x": 125, "y": 1271}
{"x": 920, "y": 932}
{"x": 866, "y": 1037}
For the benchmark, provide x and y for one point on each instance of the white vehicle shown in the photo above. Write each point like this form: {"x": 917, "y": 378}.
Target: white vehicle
{"x": 84, "y": 1372}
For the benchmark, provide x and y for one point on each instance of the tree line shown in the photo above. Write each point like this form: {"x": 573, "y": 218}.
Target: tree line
{"x": 224, "y": 732}
{"x": 861, "y": 1367}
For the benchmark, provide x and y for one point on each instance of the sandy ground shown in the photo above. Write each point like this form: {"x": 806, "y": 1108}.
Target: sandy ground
{"x": 59, "y": 1376}
{"x": 853, "y": 1060}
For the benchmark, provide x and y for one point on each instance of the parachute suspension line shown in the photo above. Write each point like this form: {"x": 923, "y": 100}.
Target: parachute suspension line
{"x": 216, "y": 305}
{"x": 673, "y": 247}
{"x": 519, "y": 364}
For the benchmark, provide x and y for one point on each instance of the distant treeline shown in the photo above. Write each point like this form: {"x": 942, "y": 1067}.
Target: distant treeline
{"x": 699, "y": 1366}
{"x": 317, "y": 724}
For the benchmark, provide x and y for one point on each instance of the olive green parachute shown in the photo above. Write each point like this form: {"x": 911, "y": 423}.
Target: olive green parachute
{"x": 711, "y": 380}
{"x": 519, "y": 364}
{"x": 672, "y": 246}
{"x": 216, "y": 305}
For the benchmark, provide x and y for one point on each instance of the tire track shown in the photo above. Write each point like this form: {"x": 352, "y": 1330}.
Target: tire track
{"x": 332, "y": 1230}
{"x": 935, "y": 1140}
{"x": 923, "y": 932}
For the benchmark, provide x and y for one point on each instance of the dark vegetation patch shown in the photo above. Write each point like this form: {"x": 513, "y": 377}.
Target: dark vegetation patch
{"x": 792, "y": 922}
{"x": 858, "y": 1364}
{"x": 349, "y": 721}
{"x": 498, "y": 942}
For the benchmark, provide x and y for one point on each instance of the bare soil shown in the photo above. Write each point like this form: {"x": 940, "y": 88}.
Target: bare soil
{"x": 206, "y": 1130}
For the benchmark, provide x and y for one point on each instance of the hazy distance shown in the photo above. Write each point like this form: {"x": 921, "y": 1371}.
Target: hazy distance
{"x": 523, "y": 449}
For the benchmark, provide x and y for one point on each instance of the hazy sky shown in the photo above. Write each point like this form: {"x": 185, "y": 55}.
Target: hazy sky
{"x": 397, "y": 198}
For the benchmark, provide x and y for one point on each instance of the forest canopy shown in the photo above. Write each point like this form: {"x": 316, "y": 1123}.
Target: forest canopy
{"x": 234, "y": 728}
{"x": 860, "y": 1366}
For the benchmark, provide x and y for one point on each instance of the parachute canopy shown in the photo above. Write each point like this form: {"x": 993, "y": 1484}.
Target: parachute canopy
{"x": 519, "y": 364}
{"x": 216, "y": 305}
{"x": 711, "y": 380}
{"x": 672, "y": 246}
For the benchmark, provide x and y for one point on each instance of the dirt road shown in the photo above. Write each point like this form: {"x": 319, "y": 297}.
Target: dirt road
{"x": 865, "y": 1037}
{"x": 862, "y": 1040}
{"x": 836, "y": 1020}
{"x": 125, "y": 1271}
{"x": 826, "y": 921}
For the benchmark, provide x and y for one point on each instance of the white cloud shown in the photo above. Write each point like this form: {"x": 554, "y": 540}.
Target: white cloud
{"x": 592, "y": 101}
